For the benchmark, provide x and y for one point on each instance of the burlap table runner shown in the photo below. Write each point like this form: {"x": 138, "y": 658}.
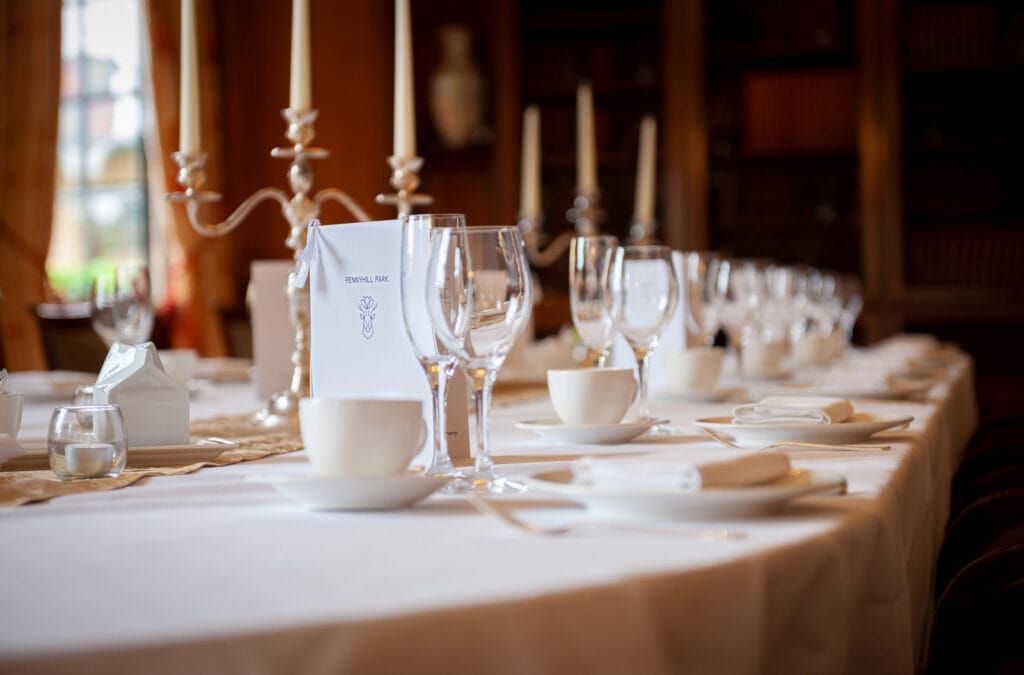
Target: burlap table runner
{"x": 25, "y": 487}
{"x": 254, "y": 442}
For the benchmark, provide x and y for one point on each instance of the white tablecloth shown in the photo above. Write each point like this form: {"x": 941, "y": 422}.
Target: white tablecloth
{"x": 213, "y": 573}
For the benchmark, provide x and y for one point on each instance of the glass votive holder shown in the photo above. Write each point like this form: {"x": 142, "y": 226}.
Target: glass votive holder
{"x": 87, "y": 441}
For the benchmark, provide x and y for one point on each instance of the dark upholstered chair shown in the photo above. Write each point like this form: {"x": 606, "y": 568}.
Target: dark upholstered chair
{"x": 994, "y": 520}
{"x": 979, "y": 620}
{"x": 69, "y": 341}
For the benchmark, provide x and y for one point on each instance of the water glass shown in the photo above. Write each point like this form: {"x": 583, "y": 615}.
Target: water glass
{"x": 87, "y": 441}
{"x": 589, "y": 259}
{"x": 438, "y": 362}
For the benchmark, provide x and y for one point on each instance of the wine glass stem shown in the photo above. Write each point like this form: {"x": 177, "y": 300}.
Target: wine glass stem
{"x": 643, "y": 360}
{"x": 437, "y": 375}
{"x": 596, "y": 357}
{"x": 483, "y": 466}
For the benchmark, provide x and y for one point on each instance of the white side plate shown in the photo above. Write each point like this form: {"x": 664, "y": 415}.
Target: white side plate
{"x": 709, "y": 503}
{"x": 857, "y": 429}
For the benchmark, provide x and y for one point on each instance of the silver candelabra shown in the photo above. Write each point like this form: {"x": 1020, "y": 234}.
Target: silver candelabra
{"x": 405, "y": 178}
{"x": 586, "y": 216}
{"x": 298, "y": 210}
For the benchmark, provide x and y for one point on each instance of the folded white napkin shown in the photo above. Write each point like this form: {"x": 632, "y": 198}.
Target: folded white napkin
{"x": 670, "y": 474}
{"x": 794, "y": 410}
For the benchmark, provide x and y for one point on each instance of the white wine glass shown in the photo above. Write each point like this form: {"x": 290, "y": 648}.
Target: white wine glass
{"x": 589, "y": 258}
{"x": 120, "y": 305}
{"x": 438, "y": 363}
{"x": 741, "y": 292}
{"x": 643, "y": 292}
{"x": 479, "y": 297}
{"x": 702, "y": 320}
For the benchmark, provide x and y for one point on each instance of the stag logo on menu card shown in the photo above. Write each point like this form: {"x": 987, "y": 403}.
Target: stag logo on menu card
{"x": 367, "y": 313}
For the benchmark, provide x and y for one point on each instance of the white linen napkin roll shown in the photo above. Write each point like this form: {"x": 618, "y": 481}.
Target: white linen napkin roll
{"x": 670, "y": 474}
{"x": 794, "y": 410}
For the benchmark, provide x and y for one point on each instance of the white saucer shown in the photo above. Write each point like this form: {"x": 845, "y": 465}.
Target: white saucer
{"x": 200, "y": 450}
{"x": 708, "y": 503}
{"x": 702, "y": 395}
{"x": 858, "y": 429}
{"x": 898, "y": 390}
{"x": 48, "y": 386}
{"x": 323, "y": 493}
{"x": 590, "y": 434}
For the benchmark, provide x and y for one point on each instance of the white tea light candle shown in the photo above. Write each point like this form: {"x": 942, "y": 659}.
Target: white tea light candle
{"x": 89, "y": 459}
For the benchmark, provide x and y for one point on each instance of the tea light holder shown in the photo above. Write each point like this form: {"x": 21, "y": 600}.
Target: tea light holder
{"x": 87, "y": 441}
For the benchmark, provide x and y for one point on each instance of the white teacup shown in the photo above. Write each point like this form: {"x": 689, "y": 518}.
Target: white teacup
{"x": 585, "y": 396}
{"x": 697, "y": 369}
{"x": 763, "y": 359}
{"x": 361, "y": 438}
{"x": 10, "y": 413}
{"x": 180, "y": 364}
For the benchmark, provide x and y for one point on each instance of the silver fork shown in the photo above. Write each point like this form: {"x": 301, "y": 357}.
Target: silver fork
{"x": 798, "y": 444}
{"x": 488, "y": 507}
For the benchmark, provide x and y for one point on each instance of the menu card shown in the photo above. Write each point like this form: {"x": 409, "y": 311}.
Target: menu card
{"x": 358, "y": 342}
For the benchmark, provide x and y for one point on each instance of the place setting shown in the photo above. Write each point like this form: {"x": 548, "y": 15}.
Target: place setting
{"x": 614, "y": 289}
{"x": 822, "y": 422}
{"x": 356, "y": 466}
{"x": 683, "y": 484}
{"x": 591, "y": 404}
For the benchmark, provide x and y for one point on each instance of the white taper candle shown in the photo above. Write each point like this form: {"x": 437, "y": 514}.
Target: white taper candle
{"x": 405, "y": 111}
{"x": 188, "y": 101}
{"x": 586, "y": 159}
{"x": 646, "y": 162}
{"x": 300, "y": 95}
{"x": 529, "y": 183}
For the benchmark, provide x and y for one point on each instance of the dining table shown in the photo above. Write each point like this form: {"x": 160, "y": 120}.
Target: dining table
{"x": 212, "y": 570}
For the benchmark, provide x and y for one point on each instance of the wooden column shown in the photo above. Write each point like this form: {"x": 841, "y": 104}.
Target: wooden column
{"x": 684, "y": 151}
{"x": 880, "y": 167}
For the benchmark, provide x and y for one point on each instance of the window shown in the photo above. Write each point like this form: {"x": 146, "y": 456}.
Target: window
{"x": 100, "y": 209}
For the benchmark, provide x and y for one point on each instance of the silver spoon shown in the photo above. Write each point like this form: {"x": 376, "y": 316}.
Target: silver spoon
{"x": 798, "y": 444}
{"x": 488, "y": 507}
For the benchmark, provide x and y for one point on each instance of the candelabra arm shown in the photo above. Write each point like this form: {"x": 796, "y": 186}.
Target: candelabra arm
{"x": 551, "y": 253}
{"x": 235, "y": 219}
{"x": 342, "y": 198}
